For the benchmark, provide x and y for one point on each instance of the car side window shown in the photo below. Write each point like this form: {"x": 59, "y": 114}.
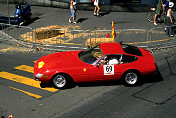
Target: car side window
{"x": 128, "y": 59}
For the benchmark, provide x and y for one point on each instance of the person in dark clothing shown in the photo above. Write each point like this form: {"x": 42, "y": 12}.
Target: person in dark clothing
{"x": 159, "y": 10}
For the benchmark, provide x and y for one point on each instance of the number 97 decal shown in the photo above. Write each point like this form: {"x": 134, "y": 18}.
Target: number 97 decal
{"x": 108, "y": 69}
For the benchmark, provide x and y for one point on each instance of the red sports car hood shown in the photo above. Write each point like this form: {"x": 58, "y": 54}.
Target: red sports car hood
{"x": 61, "y": 59}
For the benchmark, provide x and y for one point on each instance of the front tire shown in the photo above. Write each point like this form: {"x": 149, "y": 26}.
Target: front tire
{"x": 61, "y": 81}
{"x": 131, "y": 78}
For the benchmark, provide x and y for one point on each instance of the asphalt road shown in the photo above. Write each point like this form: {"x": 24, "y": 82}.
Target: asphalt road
{"x": 154, "y": 98}
{"x": 19, "y": 99}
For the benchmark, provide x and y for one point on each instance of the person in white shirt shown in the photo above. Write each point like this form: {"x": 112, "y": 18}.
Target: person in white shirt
{"x": 113, "y": 61}
{"x": 97, "y": 7}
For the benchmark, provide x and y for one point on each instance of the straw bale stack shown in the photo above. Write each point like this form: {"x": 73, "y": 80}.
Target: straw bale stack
{"x": 42, "y": 33}
{"x": 47, "y": 32}
{"x": 96, "y": 41}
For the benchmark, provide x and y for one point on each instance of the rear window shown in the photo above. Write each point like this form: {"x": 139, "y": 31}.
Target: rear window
{"x": 128, "y": 59}
{"x": 131, "y": 50}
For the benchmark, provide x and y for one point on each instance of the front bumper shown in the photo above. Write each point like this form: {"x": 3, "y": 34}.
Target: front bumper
{"x": 41, "y": 77}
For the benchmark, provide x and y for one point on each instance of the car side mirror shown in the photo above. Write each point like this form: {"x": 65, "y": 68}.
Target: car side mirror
{"x": 97, "y": 65}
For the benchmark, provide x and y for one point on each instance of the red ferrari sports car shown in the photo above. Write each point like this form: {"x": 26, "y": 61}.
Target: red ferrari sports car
{"x": 104, "y": 62}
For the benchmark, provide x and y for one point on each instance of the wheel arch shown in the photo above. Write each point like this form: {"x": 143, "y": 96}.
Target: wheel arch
{"x": 61, "y": 73}
{"x": 131, "y": 70}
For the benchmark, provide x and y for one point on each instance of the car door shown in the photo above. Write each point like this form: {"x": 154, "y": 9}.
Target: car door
{"x": 96, "y": 71}
{"x": 88, "y": 73}
{"x": 110, "y": 70}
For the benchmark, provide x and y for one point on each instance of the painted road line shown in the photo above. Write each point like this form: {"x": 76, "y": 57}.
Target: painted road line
{"x": 162, "y": 40}
{"x": 28, "y": 93}
{"x": 25, "y": 68}
{"x": 24, "y": 80}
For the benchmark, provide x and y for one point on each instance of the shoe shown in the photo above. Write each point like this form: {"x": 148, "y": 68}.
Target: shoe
{"x": 21, "y": 23}
{"x": 69, "y": 21}
{"x": 171, "y": 35}
{"x": 154, "y": 23}
{"x": 74, "y": 22}
{"x": 95, "y": 14}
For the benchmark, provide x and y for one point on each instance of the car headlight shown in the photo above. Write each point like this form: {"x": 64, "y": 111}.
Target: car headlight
{"x": 41, "y": 64}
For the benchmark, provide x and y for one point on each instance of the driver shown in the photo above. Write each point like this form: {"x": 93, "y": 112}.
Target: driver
{"x": 110, "y": 60}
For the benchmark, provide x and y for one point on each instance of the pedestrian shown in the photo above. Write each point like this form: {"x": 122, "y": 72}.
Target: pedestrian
{"x": 10, "y": 116}
{"x": 97, "y": 7}
{"x": 73, "y": 11}
{"x": 169, "y": 20}
{"x": 160, "y": 8}
{"x": 166, "y": 6}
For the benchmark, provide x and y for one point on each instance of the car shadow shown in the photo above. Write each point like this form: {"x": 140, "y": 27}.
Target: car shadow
{"x": 101, "y": 83}
{"x": 153, "y": 78}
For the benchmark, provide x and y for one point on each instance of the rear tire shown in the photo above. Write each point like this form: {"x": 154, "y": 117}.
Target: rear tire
{"x": 131, "y": 78}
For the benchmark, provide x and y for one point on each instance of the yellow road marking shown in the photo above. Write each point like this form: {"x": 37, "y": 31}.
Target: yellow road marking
{"x": 151, "y": 41}
{"x": 28, "y": 93}
{"x": 25, "y": 68}
{"x": 72, "y": 43}
{"x": 24, "y": 80}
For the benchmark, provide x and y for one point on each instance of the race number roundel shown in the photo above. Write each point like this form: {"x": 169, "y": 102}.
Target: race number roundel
{"x": 108, "y": 69}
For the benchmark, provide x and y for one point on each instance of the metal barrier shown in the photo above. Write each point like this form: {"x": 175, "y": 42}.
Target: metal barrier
{"x": 128, "y": 36}
{"x": 64, "y": 40}
{"x": 14, "y": 33}
{"x": 158, "y": 38}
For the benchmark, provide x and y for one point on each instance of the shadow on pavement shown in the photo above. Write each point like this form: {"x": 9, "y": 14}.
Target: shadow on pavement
{"x": 105, "y": 13}
{"x": 31, "y": 21}
{"x": 4, "y": 19}
{"x": 156, "y": 77}
{"x": 102, "y": 83}
{"x": 80, "y": 20}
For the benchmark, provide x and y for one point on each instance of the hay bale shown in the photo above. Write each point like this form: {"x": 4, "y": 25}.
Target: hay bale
{"x": 96, "y": 41}
{"x": 47, "y": 32}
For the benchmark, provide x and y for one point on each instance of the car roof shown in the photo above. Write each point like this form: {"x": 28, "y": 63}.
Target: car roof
{"x": 111, "y": 48}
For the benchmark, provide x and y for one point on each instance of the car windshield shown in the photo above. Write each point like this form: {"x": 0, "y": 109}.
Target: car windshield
{"x": 131, "y": 50}
{"x": 90, "y": 56}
